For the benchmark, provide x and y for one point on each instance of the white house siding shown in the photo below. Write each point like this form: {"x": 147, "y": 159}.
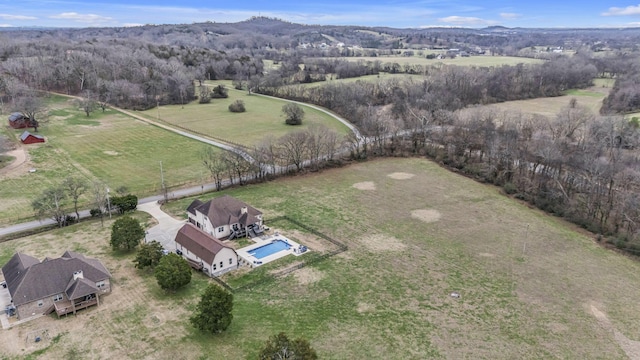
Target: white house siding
{"x": 223, "y": 257}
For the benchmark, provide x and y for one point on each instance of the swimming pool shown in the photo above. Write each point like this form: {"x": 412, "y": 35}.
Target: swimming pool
{"x": 269, "y": 249}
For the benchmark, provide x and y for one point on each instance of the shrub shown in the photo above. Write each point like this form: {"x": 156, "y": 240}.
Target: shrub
{"x": 220, "y": 92}
{"x": 237, "y": 106}
{"x": 95, "y": 212}
{"x": 510, "y": 188}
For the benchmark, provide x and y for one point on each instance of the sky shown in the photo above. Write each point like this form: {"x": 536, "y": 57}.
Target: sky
{"x": 391, "y": 13}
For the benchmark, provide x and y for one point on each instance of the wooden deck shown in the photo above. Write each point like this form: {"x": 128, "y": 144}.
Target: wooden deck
{"x": 65, "y": 307}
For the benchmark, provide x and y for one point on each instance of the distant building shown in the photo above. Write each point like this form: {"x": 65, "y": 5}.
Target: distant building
{"x": 29, "y": 138}
{"x": 19, "y": 121}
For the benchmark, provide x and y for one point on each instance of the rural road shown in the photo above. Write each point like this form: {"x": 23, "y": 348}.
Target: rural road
{"x": 195, "y": 190}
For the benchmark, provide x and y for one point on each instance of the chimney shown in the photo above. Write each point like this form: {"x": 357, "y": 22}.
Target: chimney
{"x": 243, "y": 210}
{"x": 77, "y": 274}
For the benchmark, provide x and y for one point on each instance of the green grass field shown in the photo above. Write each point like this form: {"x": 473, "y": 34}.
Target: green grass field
{"x": 263, "y": 118}
{"x": 531, "y": 286}
{"x": 111, "y": 147}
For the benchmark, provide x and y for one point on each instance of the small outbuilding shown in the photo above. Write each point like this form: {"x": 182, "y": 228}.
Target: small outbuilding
{"x": 29, "y": 138}
{"x": 19, "y": 121}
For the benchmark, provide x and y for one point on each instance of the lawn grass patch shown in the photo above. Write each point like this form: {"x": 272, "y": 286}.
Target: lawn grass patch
{"x": 263, "y": 118}
{"x": 110, "y": 147}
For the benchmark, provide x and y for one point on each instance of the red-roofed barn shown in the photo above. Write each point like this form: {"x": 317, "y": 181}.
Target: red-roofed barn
{"x": 19, "y": 121}
{"x": 29, "y": 138}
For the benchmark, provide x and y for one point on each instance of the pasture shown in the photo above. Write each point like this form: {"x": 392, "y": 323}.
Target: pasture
{"x": 531, "y": 286}
{"x": 551, "y": 106}
{"x": 111, "y": 147}
{"x": 263, "y": 117}
{"x": 477, "y": 61}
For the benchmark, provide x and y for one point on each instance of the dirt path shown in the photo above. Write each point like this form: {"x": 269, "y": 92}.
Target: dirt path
{"x": 630, "y": 347}
{"x": 21, "y": 158}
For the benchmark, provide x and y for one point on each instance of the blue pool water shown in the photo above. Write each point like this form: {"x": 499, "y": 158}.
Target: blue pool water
{"x": 269, "y": 249}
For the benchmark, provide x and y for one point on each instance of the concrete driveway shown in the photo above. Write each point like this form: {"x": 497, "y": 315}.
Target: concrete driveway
{"x": 167, "y": 228}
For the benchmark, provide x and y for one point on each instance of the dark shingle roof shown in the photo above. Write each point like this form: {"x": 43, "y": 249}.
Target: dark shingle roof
{"x": 199, "y": 242}
{"x": 38, "y": 280}
{"x": 192, "y": 207}
{"x": 80, "y": 287}
{"x": 227, "y": 210}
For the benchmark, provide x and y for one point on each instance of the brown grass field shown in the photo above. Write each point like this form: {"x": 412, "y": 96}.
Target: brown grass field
{"x": 551, "y": 106}
{"x": 531, "y": 285}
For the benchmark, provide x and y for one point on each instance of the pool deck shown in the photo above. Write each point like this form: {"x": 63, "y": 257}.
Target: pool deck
{"x": 254, "y": 262}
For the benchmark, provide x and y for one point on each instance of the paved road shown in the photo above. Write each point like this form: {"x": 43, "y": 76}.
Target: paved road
{"x": 195, "y": 190}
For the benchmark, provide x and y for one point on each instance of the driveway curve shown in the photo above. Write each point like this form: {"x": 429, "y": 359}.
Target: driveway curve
{"x": 166, "y": 229}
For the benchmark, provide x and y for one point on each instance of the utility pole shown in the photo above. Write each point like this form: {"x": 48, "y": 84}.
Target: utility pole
{"x": 164, "y": 189}
{"x": 108, "y": 204}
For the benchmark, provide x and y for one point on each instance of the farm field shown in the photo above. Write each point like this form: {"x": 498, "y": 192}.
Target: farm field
{"x": 263, "y": 117}
{"x": 111, "y": 147}
{"x": 478, "y": 61}
{"x": 531, "y": 286}
{"x": 551, "y": 106}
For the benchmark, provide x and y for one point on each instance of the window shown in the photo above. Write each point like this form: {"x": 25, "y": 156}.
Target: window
{"x": 221, "y": 229}
{"x": 40, "y": 303}
{"x": 100, "y": 284}
{"x": 57, "y": 298}
{"x": 221, "y": 264}
{"x": 214, "y": 267}
{"x": 230, "y": 261}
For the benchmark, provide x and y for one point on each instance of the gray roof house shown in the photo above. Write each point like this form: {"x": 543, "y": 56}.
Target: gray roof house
{"x": 204, "y": 252}
{"x": 65, "y": 284}
{"x": 225, "y": 216}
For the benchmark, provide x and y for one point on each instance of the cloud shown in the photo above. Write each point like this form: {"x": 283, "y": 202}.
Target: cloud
{"x": 17, "y": 17}
{"x": 83, "y": 18}
{"x": 5, "y": 25}
{"x": 510, "y": 16}
{"x": 464, "y": 20}
{"x": 629, "y": 10}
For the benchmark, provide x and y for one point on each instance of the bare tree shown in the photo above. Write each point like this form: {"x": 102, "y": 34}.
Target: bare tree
{"x": 74, "y": 187}
{"x": 51, "y": 204}
{"x": 215, "y": 162}
{"x": 31, "y": 106}
{"x": 100, "y": 198}
{"x": 294, "y": 148}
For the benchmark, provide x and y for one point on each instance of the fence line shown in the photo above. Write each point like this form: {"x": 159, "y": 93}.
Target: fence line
{"x": 341, "y": 248}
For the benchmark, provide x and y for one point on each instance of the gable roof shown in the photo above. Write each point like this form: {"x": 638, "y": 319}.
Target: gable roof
{"x": 30, "y": 280}
{"x": 192, "y": 207}
{"x": 26, "y": 134}
{"x": 200, "y": 243}
{"x": 227, "y": 210}
{"x": 17, "y": 116}
{"x": 80, "y": 287}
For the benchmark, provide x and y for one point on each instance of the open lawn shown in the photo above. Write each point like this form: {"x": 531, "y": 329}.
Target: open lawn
{"x": 263, "y": 118}
{"x": 531, "y": 286}
{"x": 111, "y": 147}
